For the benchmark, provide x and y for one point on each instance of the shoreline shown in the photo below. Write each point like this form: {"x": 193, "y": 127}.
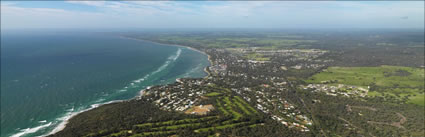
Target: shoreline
{"x": 191, "y": 48}
{"x": 61, "y": 126}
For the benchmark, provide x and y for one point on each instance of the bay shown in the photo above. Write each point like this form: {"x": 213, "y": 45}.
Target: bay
{"x": 48, "y": 76}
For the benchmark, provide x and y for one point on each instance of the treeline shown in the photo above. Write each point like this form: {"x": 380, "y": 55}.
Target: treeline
{"x": 350, "y": 48}
{"x": 116, "y": 116}
{"x": 352, "y": 117}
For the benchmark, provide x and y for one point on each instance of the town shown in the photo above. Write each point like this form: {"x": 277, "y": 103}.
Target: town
{"x": 340, "y": 89}
{"x": 267, "y": 97}
{"x": 275, "y": 89}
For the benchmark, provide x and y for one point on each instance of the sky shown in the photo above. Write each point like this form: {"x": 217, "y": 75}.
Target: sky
{"x": 212, "y": 14}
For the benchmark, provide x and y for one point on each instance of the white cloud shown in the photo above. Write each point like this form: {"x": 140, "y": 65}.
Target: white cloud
{"x": 88, "y": 3}
{"x": 18, "y": 17}
{"x": 219, "y": 14}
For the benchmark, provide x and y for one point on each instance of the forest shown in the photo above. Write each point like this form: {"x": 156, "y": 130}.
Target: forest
{"x": 255, "y": 87}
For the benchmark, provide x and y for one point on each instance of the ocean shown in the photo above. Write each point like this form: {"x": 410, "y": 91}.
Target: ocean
{"x": 47, "y": 77}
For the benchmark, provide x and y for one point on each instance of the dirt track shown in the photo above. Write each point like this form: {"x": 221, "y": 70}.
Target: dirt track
{"x": 395, "y": 124}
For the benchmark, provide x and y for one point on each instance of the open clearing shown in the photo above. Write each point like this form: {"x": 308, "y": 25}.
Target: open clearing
{"x": 396, "y": 81}
{"x": 200, "y": 110}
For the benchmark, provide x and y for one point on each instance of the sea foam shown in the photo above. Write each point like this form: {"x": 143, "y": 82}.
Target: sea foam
{"x": 170, "y": 59}
{"x": 31, "y": 130}
{"x": 65, "y": 118}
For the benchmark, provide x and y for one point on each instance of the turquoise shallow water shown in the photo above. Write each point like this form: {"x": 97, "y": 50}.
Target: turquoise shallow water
{"x": 48, "y": 77}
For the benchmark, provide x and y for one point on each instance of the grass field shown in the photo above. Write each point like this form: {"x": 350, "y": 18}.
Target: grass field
{"x": 386, "y": 76}
{"x": 230, "y": 107}
{"x": 235, "y": 112}
{"x": 212, "y": 94}
{"x": 396, "y": 81}
{"x": 215, "y": 88}
{"x": 246, "y": 104}
{"x": 274, "y": 42}
{"x": 241, "y": 106}
{"x": 256, "y": 57}
{"x": 221, "y": 107}
{"x": 176, "y": 121}
{"x": 152, "y": 133}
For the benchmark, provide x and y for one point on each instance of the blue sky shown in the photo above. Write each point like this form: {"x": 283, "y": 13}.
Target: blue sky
{"x": 212, "y": 14}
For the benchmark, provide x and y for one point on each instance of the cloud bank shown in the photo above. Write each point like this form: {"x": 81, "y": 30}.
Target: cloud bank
{"x": 217, "y": 14}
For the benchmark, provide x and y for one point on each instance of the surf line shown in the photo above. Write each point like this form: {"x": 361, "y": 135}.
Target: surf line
{"x": 170, "y": 59}
{"x": 65, "y": 119}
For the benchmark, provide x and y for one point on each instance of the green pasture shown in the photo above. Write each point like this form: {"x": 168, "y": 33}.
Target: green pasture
{"x": 394, "y": 80}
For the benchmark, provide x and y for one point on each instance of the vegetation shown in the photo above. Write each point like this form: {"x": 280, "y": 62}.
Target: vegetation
{"x": 234, "y": 113}
{"x": 391, "y": 82}
{"x": 245, "y": 104}
{"x": 256, "y": 57}
{"x": 212, "y": 94}
{"x": 211, "y": 40}
{"x": 249, "y": 96}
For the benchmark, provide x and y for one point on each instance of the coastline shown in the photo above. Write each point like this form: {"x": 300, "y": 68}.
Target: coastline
{"x": 191, "y": 48}
{"x": 63, "y": 124}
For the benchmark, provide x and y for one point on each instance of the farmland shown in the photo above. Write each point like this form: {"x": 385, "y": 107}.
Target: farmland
{"x": 391, "y": 82}
{"x": 268, "y": 42}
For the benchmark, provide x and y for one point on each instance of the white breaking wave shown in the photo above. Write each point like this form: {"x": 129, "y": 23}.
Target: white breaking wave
{"x": 31, "y": 130}
{"x": 139, "y": 80}
{"x": 64, "y": 120}
{"x": 175, "y": 57}
{"x": 161, "y": 68}
{"x": 191, "y": 71}
{"x": 170, "y": 59}
{"x": 70, "y": 110}
{"x": 100, "y": 100}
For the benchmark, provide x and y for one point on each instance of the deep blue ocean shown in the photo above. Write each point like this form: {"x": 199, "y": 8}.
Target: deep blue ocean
{"x": 46, "y": 77}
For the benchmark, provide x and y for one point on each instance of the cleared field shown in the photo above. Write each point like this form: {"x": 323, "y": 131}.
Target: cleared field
{"x": 230, "y": 107}
{"x": 386, "y": 76}
{"x": 418, "y": 99}
{"x": 215, "y": 88}
{"x": 212, "y": 94}
{"x": 221, "y": 108}
{"x": 239, "y": 104}
{"x": 246, "y": 104}
{"x": 200, "y": 110}
{"x": 396, "y": 81}
{"x": 278, "y": 41}
{"x": 256, "y": 57}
